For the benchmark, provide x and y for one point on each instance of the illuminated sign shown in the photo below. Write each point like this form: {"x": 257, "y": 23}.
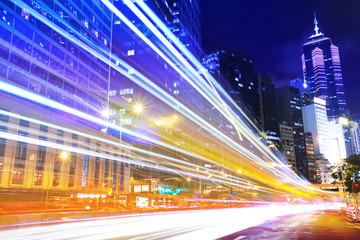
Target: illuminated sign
{"x": 142, "y": 202}
{"x": 84, "y": 195}
{"x": 169, "y": 190}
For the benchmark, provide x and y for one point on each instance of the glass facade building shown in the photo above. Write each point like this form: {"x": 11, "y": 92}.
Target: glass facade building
{"x": 266, "y": 105}
{"x": 322, "y": 73}
{"x": 233, "y": 70}
{"x": 45, "y": 48}
{"x": 45, "y": 60}
{"x": 290, "y": 111}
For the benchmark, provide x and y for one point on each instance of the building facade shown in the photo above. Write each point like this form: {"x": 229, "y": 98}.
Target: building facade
{"x": 340, "y": 136}
{"x": 287, "y": 143}
{"x": 233, "y": 70}
{"x": 316, "y": 122}
{"x": 310, "y": 156}
{"x": 63, "y": 160}
{"x": 323, "y": 170}
{"x": 265, "y": 103}
{"x": 322, "y": 73}
{"x": 45, "y": 60}
{"x": 290, "y": 111}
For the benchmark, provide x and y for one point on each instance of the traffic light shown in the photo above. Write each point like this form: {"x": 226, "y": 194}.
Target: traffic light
{"x": 355, "y": 187}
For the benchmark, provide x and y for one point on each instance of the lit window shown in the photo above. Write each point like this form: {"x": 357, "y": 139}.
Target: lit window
{"x": 131, "y": 52}
{"x": 112, "y": 92}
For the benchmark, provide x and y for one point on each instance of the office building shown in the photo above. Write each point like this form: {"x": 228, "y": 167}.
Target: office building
{"x": 316, "y": 122}
{"x": 65, "y": 161}
{"x": 287, "y": 143}
{"x": 184, "y": 21}
{"x": 42, "y": 49}
{"x": 44, "y": 60}
{"x": 323, "y": 170}
{"x": 233, "y": 70}
{"x": 304, "y": 91}
{"x": 289, "y": 109}
{"x": 310, "y": 156}
{"x": 355, "y": 135}
{"x": 265, "y": 103}
{"x": 322, "y": 73}
{"x": 340, "y": 135}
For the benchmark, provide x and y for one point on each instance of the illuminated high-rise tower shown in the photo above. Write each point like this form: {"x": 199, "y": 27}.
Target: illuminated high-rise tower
{"x": 322, "y": 72}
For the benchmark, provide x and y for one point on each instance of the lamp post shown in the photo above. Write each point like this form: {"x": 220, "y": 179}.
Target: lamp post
{"x": 62, "y": 156}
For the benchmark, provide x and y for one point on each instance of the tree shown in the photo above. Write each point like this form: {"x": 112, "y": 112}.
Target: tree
{"x": 351, "y": 170}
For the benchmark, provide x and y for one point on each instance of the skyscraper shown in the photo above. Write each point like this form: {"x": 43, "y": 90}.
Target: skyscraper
{"x": 266, "y": 107}
{"x": 310, "y": 156}
{"x": 315, "y": 122}
{"x": 289, "y": 106}
{"x": 49, "y": 49}
{"x": 287, "y": 143}
{"x": 45, "y": 60}
{"x": 233, "y": 70}
{"x": 322, "y": 72}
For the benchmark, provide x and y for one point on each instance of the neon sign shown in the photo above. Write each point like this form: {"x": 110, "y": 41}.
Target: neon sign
{"x": 169, "y": 190}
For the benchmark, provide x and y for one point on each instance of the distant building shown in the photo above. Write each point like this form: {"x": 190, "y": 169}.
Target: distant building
{"x": 265, "y": 103}
{"x": 340, "y": 134}
{"x": 233, "y": 70}
{"x": 289, "y": 106}
{"x": 287, "y": 143}
{"x": 355, "y": 134}
{"x": 323, "y": 170}
{"x": 316, "y": 122}
{"x": 185, "y": 22}
{"x": 304, "y": 90}
{"x": 322, "y": 73}
{"x": 310, "y": 156}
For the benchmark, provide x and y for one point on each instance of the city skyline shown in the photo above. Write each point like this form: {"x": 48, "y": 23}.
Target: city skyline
{"x": 110, "y": 110}
{"x": 273, "y": 33}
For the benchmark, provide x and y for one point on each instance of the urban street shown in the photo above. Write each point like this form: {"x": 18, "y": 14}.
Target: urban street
{"x": 179, "y": 119}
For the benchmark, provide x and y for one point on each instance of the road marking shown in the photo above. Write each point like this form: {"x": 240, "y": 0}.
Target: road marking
{"x": 346, "y": 221}
{"x": 240, "y": 237}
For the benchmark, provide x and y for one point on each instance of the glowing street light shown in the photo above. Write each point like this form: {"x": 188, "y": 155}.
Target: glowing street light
{"x": 64, "y": 155}
{"x": 138, "y": 108}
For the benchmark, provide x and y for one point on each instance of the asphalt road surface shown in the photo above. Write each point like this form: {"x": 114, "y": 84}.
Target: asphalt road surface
{"x": 318, "y": 225}
{"x": 262, "y": 222}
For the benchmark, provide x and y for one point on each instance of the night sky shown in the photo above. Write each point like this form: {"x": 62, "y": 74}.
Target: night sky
{"x": 273, "y": 32}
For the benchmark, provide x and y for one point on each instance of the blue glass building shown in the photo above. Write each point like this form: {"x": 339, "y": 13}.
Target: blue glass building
{"x": 43, "y": 59}
{"x": 233, "y": 70}
{"x": 322, "y": 73}
{"x": 290, "y": 111}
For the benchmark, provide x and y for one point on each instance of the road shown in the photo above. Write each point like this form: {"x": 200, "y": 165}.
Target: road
{"x": 319, "y": 225}
{"x": 262, "y": 222}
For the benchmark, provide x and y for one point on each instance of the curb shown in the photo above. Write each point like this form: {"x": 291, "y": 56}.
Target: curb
{"x": 347, "y": 219}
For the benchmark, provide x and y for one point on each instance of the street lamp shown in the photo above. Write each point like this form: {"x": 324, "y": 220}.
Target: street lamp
{"x": 138, "y": 108}
{"x": 62, "y": 156}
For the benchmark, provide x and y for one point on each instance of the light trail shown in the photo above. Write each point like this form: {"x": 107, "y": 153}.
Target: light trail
{"x": 123, "y": 146}
{"x": 194, "y": 72}
{"x": 38, "y": 142}
{"x": 158, "y": 92}
{"x": 167, "y": 99}
{"x": 195, "y": 224}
